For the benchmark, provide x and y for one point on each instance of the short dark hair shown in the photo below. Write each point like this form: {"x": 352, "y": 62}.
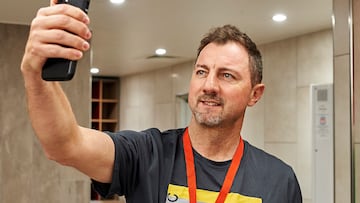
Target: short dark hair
{"x": 226, "y": 33}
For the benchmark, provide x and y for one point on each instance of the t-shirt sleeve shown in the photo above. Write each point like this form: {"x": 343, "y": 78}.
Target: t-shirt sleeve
{"x": 294, "y": 192}
{"x": 269, "y": 178}
{"x": 133, "y": 151}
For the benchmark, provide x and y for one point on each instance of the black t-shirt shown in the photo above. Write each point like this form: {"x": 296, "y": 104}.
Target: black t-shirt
{"x": 149, "y": 167}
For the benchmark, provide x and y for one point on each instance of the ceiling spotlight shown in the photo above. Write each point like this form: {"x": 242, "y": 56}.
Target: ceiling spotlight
{"x": 160, "y": 51}
{"x": 94, "y": 70}
{"x": 279, "y": 17}
{"x": 117, "y": 1}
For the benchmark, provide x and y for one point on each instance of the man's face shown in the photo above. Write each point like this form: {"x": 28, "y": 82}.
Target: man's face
{"x": 220, "y": 87}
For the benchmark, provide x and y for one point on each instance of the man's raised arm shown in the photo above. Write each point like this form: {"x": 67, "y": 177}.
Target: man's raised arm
{"x": 61, "y": 31}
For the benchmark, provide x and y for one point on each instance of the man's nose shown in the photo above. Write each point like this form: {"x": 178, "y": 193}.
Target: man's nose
{"x": 211, "y": 84}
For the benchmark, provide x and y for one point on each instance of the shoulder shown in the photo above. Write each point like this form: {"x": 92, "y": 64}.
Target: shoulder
{"x": 263, "y": 170}
{"x": 148, "y": 135}
{"x": 259, "y": 160}
{"x": 148, "y": 132}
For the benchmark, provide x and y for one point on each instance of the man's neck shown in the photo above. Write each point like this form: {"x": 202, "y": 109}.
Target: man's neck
{"x": 216, "y": 143}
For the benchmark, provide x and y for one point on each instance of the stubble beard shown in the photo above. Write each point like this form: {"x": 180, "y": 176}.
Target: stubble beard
{"x": 207, "y": 117}
{"x": 208, "y": 120}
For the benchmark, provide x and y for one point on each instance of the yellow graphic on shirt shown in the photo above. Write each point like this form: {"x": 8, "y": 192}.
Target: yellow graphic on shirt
{"x": 180, "y": 194}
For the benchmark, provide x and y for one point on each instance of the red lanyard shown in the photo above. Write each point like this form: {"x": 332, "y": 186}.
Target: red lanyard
{"x": 191, "y": 174}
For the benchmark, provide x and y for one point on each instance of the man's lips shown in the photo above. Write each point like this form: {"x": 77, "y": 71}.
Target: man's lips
{"x": 210, "y": 103}
{"x": 210, "y": 100}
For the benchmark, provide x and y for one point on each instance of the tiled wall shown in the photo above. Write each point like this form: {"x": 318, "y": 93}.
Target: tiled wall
{"x": 149, "y": 99}
{"x": 291, "y": 66}
{"x": 356, "y": 127}
{"x": 279, "y": 123}
{"x": 25, "y": 173}
{"x": 342, "y": 102}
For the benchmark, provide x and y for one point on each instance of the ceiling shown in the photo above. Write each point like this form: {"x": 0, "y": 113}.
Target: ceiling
{"x": 124, "y": 36}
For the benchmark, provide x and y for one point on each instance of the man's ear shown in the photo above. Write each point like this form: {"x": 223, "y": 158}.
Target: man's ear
{"x": 256, "y": 93}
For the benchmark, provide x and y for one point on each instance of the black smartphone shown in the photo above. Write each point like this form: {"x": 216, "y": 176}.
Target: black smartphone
{"x": 58, "y": 69}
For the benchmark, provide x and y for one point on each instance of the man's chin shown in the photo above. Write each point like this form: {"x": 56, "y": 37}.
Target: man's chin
{"x": 208, "y": 121}
{"x": 210, "y": 125}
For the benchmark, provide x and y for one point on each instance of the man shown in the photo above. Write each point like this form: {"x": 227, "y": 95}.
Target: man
{"x": 206, "y": 162}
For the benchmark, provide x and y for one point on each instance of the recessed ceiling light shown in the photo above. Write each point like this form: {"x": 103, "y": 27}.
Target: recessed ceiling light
{"x": 94, "y": 70}
{"x": 160, "y": 51}
{"x": 117, "y": 1}
{"x": 279, "y": 17}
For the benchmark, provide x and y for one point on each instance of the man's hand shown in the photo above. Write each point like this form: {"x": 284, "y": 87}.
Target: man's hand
{"x": 58, "y": 31}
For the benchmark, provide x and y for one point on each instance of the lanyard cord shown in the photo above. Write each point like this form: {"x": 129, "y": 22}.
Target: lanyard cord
{"x": 191, "y": 174}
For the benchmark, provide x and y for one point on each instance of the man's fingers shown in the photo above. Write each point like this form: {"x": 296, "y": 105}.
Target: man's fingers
{"x": 57, "y": 51}
{"x": 58, "y": 44}
{"x": 61, "y": 22}
{"x": 53, "y": 2}
{"x": 65, "y": 9}
{"x": 58, "y": 31}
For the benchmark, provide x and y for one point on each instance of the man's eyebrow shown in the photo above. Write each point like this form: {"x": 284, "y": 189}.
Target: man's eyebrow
{"x": 201, "y": 66}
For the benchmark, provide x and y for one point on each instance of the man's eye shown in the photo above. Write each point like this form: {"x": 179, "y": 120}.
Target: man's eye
{"x": 228, "y": 76}
{"x": 200, "y": 72}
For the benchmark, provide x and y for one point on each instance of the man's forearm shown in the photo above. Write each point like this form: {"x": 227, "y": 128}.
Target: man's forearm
{"x": 52, "y": 118}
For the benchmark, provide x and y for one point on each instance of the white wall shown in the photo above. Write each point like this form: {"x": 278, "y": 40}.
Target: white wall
{"x": 279, "y": 123}
{"x": 149, "y": 99}
{"x": 291, "y": 66}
